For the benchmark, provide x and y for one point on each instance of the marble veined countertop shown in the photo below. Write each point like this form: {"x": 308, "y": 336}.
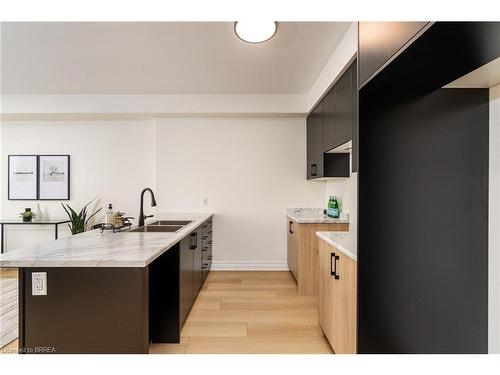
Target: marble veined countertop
{"x": 108, "y": 249}
{"x": 342, "y": 241}
{"x": 314, "y": 216}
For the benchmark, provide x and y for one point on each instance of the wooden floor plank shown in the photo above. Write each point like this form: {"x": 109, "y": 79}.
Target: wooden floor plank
{"x": 258, "y": 345}
{"x": 280, "y": 329}
{"x": 214, "y": 329}
{"x": 247, "y": 312}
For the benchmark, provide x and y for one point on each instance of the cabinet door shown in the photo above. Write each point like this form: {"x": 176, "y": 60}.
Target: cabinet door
{"x": 197, "y": 261}
{"x": 343, "y": 108}
{"x": 186, "y": 279}
{"x": 379, "y": 41}
{"x": 206, "y": 248}
{"x": 317, "y": 165}
{"x": 344, "y": 304}
{"x": 325, "y": 294}
{"x": 310, "y": 145}
{"x": 329, "y": 140}
{"x": 354, "y": 98}
{"x": 292, "y": 247}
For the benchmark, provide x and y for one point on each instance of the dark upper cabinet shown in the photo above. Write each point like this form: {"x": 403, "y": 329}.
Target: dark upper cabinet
{"x": 331, "y": 124}
{"x": 329, "y": 120}
{"x": 339, "y": 110}
{"x": 354, "y": 99}
{"x": 343, "y": 109}
{"x": 315, "y": 143}
{"x": 379, "y": 41}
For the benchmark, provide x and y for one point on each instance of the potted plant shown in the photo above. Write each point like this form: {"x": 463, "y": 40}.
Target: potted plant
{"x": 27, "y": 215}
{"x": 79, "y": 221}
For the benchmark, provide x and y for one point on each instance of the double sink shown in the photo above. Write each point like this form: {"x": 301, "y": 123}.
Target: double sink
{"x": 163, "y": 226}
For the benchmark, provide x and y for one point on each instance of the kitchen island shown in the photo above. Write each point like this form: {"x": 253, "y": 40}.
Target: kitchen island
{"x": 110, "y": 292}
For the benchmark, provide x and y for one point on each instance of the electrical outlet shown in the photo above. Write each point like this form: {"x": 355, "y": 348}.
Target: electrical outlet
{"x": 205, "y": 202}
{"x": 39, "y": 283}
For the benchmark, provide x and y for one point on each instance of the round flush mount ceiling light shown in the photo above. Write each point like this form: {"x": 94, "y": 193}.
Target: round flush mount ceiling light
{"x": 255, "y": 31}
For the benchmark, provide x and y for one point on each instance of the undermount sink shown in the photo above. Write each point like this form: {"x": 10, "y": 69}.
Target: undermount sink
{"x": 171, "y": 222}
{"x": 158, "y": 228}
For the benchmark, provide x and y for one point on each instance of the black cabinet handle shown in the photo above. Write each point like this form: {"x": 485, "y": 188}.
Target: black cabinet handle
{"x": 333, "y": 265}
{"x": 204, "y": 266}
{"x": 314, "y": 169}
{"x": 194, "y": 241}
{"x": 290, "y": 227}
{"x": 210, "y": 257}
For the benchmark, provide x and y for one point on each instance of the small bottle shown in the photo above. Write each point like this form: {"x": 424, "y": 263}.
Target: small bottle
{"x": 110, "y": 216}
{"x": 329, "y": 206}
{"x": 335, "y": 208}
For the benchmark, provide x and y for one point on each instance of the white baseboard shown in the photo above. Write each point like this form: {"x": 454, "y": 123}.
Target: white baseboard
{"x": 249, "y": 266}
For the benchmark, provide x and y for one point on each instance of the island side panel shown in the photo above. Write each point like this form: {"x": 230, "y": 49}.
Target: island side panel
{"x": 164, "y": 319}
{"x": 86, "y": 310}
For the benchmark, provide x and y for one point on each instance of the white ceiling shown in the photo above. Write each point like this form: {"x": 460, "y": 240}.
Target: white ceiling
{"x": 162, "y": 58}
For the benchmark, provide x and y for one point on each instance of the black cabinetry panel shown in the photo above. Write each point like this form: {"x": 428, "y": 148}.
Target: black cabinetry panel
{"x": 379, "y": 41}
{"x": 423, "y": 275}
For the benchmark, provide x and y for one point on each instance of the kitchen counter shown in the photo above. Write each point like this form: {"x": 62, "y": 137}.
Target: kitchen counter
{"x": 314, "y": 216}
{"x": 343, "y": 241}
{"x": 108, "y": 249}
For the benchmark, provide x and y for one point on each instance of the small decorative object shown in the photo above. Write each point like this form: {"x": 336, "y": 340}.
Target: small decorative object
{"x": 23, "y": 173}
{"x": 38, "y": 213}
{"x": 79, "y": 221}
{"x": 121, "y": 220}
{"x": 54, "y": 177}
{"x": 27, "y": 215}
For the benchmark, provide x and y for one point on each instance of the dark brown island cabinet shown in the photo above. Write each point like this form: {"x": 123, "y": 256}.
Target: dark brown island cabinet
{"x": 115, "y": 309}
{"x": 332, "y": 123}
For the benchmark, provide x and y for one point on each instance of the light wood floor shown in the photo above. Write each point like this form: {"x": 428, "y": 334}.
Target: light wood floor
{"x": 248, "y": 313}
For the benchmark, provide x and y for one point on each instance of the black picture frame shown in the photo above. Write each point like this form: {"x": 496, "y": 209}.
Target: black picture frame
{"x": 38, "y": 176}
{"x": 68, "y": 190}
{"x": 8, "y": 178}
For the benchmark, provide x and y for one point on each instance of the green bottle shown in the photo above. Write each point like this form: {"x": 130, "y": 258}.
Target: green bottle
{"x": 333, "y": 207}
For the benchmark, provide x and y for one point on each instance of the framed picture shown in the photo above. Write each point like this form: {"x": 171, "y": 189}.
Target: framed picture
{"x": 23, "y": 177}
{"x": 53, "y": 177}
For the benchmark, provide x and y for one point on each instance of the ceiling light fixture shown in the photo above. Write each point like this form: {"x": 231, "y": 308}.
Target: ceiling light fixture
{"x": 255, "y": 31}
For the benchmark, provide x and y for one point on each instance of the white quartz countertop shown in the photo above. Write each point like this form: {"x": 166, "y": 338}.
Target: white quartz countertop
{"x": 108, "y": 249}
{"x": 342, "y": 241}
{"x": 314, "y": 216}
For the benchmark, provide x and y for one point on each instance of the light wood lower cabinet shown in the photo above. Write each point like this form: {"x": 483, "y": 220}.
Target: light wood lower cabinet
{"x": 302, "y": 253}
{"x": 337, "y": 298}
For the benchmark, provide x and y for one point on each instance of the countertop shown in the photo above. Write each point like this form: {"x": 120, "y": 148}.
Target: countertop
{"x": 108, "y": 249}
{"x": 314, "y": 216}
{"x": 342, "y": 241}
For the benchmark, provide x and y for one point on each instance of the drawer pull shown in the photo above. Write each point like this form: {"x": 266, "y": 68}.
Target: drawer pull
{"x": 333, "y": 265}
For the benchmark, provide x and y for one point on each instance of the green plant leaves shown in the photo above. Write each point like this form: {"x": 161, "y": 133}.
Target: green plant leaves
{"x": 78, "y": 221}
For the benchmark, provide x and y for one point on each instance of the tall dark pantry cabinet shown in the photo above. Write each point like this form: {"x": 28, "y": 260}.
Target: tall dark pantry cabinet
{"x": 423, "y": 173}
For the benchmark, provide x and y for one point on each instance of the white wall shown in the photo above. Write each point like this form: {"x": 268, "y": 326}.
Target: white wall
{"x": 249, "y": 169}
{"x": 109, "y": 159}
{"x": 494, "y": 222}
{"x": 343, "y": 54}
{"x": 346, "y": 191}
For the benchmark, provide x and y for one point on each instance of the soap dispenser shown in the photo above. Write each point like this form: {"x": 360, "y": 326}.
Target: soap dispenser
{"x": 110, "y": 216}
